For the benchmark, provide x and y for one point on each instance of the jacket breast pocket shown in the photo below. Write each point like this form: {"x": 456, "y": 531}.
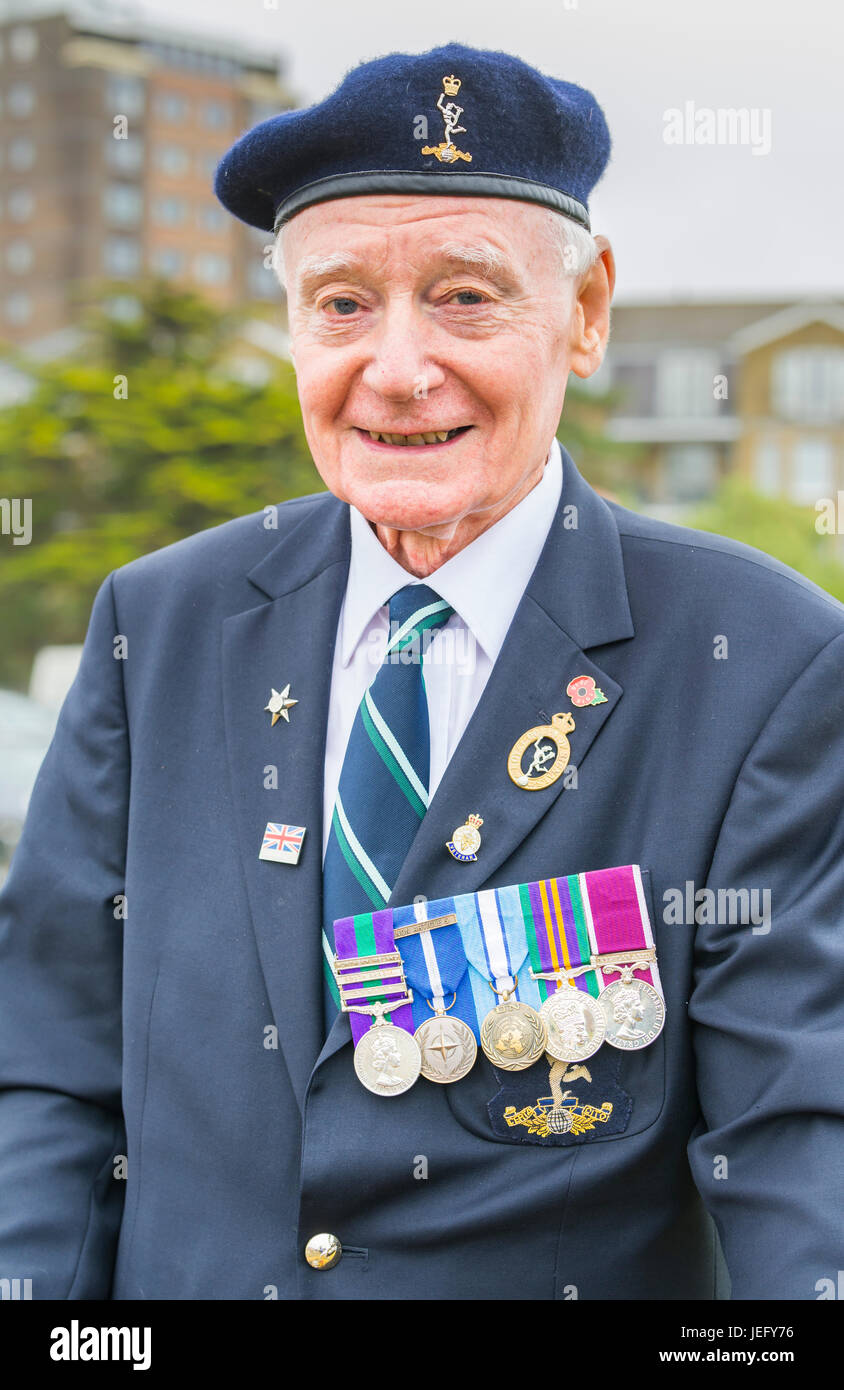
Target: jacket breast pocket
{"x": 611, "y": 1095}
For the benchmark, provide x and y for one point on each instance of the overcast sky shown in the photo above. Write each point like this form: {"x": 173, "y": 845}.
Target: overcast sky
{"x": 685, "y": 219}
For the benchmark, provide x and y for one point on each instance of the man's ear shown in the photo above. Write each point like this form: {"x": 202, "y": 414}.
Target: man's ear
{"x": 590, "y": 329}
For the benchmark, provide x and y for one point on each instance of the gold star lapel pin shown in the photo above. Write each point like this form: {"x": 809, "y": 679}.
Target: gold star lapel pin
{"x": 279, "y": 704}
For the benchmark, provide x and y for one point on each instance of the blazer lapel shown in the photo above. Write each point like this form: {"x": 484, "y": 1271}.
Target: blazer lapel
{"x": 277, "y": 771}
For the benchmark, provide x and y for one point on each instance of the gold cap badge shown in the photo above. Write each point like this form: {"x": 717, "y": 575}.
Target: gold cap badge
{"x": 446, "y": 151}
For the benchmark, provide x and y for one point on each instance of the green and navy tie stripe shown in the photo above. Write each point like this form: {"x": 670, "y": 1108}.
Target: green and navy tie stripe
{"x": 383, "y": 789}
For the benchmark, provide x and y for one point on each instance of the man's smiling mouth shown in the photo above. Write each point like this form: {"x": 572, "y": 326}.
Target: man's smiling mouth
{"x": 425, "y": 438}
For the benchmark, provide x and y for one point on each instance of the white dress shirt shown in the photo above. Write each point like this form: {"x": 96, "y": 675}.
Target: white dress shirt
{"x": 483, "y": 583}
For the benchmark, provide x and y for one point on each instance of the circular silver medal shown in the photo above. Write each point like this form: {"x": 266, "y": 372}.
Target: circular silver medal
{"x": 387, "y": 1060}
{"x": 634, "y": 1011}
{"x": 513, "y": 1035}
{"x": 448, "y": 1048}
{"x": 575, "y": 1023}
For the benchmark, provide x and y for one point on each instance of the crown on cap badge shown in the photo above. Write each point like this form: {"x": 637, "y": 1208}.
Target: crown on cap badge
{"x": 446, "y": 151}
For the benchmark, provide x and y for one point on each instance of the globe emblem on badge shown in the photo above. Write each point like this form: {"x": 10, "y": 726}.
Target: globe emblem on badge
{"x": 558, "y": 1119}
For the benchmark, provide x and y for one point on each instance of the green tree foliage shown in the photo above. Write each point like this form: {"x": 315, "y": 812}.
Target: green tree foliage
{"x": 780, "y": 528}
{"x": 118, "y": 468}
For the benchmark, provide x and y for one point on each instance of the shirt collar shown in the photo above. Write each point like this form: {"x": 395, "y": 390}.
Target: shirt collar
{"x": 466, "y": 581}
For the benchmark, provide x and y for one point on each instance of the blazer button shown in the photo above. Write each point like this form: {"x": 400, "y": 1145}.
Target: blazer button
{"x": 323, "y": 1251}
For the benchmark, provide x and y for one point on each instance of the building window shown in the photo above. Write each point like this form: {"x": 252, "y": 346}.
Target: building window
{"x": 125, "y": 156}
{"x": 19, "y": 257}
{"x": 17, "y": 307}
{"x": 211, "y": 219}
{"x": 807, "y": 384}
{"x": 768, "y": 468}
{"x": 125, "y": 95}
{"x": 171, "y": 106}
{"x": 23, "y": 44}
{"x": 172, "y": 159}
{"x": 691, "y": 472}
{"x": 20, "y": 99}
{"x": 685, "y": 384}
{"x": 211, "y": 269}
{"x": 21, "y": 205}
{"x": 21, "y": 153}
{"x": 170, "y": 211}
{"x": 812, "y": 473}
{"x": 122, "y": 204}
{"x": 168, "y": 261}
{"x": 215, "y": 115}
{"x": 121, "y": 256}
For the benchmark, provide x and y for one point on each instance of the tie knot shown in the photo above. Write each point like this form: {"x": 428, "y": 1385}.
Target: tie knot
{"x": 413, "y": 610}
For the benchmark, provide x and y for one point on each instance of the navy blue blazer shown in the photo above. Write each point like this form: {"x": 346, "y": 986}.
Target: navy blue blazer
{"x": 172, "y": 1125}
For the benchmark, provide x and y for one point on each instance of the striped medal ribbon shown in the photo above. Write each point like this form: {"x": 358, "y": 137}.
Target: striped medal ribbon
{"x": 581, "y": 930}
{"x": 370, "y": 978}
{"x": 491, "y": 922}
{"x": 428, "y": 939}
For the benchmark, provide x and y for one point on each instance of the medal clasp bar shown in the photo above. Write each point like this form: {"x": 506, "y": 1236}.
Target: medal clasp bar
{"x": 371, "y": 975}
{"x": 358, "y": 962}
{"x": 562, "y": 974}
{"x": 613, "y": 961}
{"x": 428, "y": 924}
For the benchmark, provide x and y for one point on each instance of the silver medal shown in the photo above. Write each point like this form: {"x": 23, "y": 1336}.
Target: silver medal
{"x": 634, "y": 1012}
{"x": 575, "y": 1024}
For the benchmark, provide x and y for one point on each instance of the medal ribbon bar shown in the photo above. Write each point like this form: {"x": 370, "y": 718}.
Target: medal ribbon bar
{"x": 435, "y": 963}
{"x": 365, "y": 943}
{"x": 618, "y": 921}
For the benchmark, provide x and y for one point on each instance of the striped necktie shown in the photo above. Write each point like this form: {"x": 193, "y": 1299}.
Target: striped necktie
{"x": 383, "y": 789}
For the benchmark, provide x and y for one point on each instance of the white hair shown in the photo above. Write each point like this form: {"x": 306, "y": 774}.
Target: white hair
{"x": 574, "y": 247}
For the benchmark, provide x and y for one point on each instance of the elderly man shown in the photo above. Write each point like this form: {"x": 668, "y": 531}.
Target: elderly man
{"x": 433, "y": 888}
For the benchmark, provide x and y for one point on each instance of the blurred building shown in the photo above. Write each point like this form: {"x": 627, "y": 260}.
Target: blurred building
{"x": 110, "y": 131}
{"x": 709, "y": 388}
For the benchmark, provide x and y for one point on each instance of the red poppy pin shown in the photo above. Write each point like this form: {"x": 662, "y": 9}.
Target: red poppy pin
{"x": 583, "y": 691}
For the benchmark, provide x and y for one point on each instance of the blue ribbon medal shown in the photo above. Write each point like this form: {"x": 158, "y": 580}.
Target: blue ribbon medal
{"x": 428, "y": 938}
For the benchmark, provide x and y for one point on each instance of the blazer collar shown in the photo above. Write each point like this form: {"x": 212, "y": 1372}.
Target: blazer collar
{"x": 579, "y": 578}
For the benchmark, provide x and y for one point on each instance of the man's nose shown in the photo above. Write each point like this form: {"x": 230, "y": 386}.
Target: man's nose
{"x": 400, "y": 365}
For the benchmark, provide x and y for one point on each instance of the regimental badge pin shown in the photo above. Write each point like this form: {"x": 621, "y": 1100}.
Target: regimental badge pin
{"x": 551, "y": 753}
{"x": 282, "y": 844}
{"x": 466, "y": 840}
{"x": 583, "y": 691}
{"x": 447, "y": 152}
{"x": 279, "y": 704}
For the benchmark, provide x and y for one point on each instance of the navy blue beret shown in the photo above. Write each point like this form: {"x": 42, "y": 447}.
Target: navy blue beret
{"x": 453, "y": 120}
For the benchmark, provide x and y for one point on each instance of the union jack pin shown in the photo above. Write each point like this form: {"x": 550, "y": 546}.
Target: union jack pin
{"x": 282, "y": 843}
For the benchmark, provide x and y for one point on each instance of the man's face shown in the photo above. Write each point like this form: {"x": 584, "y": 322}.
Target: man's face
{"x": 398, "y": 328}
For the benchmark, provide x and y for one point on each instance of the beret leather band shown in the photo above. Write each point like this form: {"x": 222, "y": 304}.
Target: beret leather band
{"x": 481, "y": 184}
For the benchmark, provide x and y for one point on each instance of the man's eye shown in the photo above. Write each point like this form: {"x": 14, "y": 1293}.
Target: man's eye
{"x": 343, "y": 305}
{"x": 469, "y": 297}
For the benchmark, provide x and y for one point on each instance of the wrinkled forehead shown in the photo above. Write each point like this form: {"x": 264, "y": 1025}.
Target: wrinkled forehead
{"x": 492, "y": 235}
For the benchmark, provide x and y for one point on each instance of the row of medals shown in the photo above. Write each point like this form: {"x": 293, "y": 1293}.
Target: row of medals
{"x": 569, "y": 1027}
